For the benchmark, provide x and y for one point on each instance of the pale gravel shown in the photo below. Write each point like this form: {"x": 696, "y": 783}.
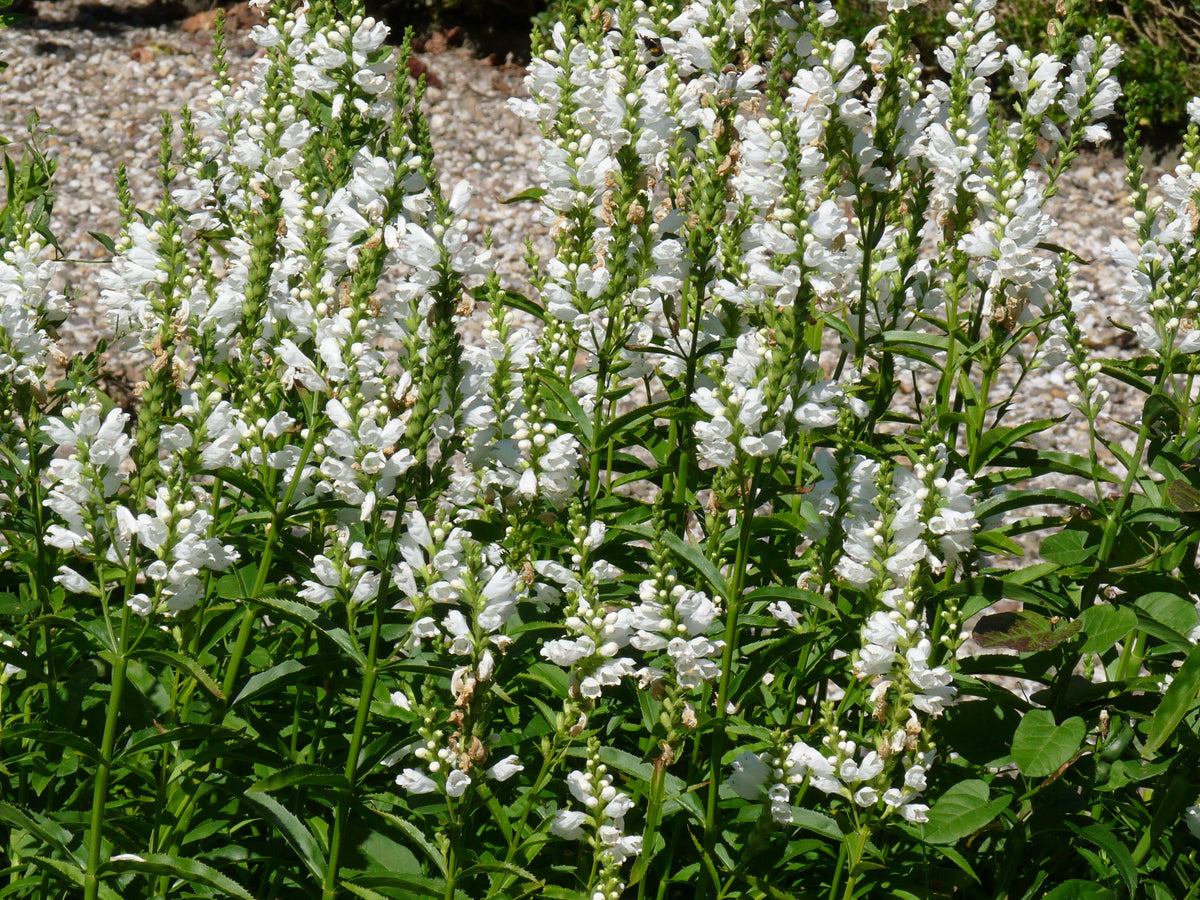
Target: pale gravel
{"x": 100, "y": 93}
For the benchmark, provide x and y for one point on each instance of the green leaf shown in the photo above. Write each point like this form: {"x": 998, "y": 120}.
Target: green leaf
{"x": 286, "y": 672}
{"x": 1069, "y": 547}
{"x": 104, "y": 241}
{"x": 1040, "y": 748}
{"x": 533, "y": 193}
{"x": 960, "y": 811}
{"x": 1078, "y": 889}
{"x": 365, "y": 893}
{"x": 50, "y": 833}
{"x": 1162, "y": 416}
{"x": 1023, "y": 631}
{"x": 701, "y": 563}
{"x": 1106, "y": 625}
{"x": 302, "y": 775}
{"x": 41, "y": 733}
{"x": 554, "y": 385}
{"x": 792, "y": 595}
{"x": 1118, "y": 853}
{"x": 187, "y": 664}
{"x": 293, "y": 830}
{"x": 1176, "y": 703}
{"x": 816, "y": 822}
{"x": 1169, "y": 609}
{"x": 416, "y": 835}
{"x": 189, "y": 870}
{"x": 307, "y": 616}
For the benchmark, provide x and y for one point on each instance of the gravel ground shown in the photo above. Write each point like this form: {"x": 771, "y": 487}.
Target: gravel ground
{"x": 99, "y": 83}
{"x": 98, "y": 86}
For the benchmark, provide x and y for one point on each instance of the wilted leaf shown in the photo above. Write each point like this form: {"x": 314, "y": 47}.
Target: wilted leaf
{"x": 1023, "y": 631}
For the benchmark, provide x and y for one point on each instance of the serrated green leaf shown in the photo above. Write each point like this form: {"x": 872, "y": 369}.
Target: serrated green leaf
{"x": 1183, "y": 496}
{"x": 189, "y": 870}
{"x": 533, "y": 193}
{"x": 1040, "y": 748}
{"x": 1175, "y": 612}
{"x": 414, "y": 834}
{"x": 299, "y": 612}
{"x": 188, "y": 665}
{"x": 44, "y": 734}
{"x": 293, "y": 830}
{"x": 50, "y": 833}
{"x": 301, "y": 775}
{"x": 1078, "y": 889}
{"x": 790, "y": 595}
{"x": 1069, "y": 547}
{"x": 1118, "y": 853}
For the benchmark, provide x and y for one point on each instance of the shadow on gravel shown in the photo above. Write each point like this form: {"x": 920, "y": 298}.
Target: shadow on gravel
{"x": 500, "y": 34}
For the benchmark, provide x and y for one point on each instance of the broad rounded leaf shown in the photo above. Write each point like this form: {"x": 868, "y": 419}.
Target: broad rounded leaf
{"x": 1040, "y": 747}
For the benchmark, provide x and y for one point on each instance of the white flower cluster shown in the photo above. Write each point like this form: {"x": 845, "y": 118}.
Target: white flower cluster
{"x": 444, "y": 765}
{"x": 603, "y": 815}
{"x": 29, "y": 306}
{"x": 675, "y": 618}
{"x": 598, "y": 634}
{"x": 865, "y": 780}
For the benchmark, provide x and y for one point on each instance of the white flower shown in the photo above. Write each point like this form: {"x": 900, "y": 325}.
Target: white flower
{"x": 416, "y": 782}
{"x": 457, "y": 783}
{"x": 506, "y": 768}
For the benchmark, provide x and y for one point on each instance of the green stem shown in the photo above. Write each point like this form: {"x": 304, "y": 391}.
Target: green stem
{"x": 370, "y": 671}
{"x": 250, "y": 613}
{"x": 91, "y": 878}
{"x": 451, "y": 851}
{"x": 857, "y": 848}
{"x": 654, "y": 809}
{"x": 737, "y": 582}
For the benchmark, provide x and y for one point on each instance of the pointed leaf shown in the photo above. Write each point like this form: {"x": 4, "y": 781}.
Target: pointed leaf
{"x": 1178, "y": 700}
{"x": 1078, "y": 889}
{"x": 293, "y": 830}
{"x": 1106, "y": 625}
{"x": 286, "y": 672}
{"x": 50, "y": 833}
{"x": 189, "y": 870}
{"x": 304, "y": 775}
{"x": 1183, "y": 496}
{"x": 188, "y": 665}
{"x": 1118, "y": 853}
{"x": 960, "y": 811}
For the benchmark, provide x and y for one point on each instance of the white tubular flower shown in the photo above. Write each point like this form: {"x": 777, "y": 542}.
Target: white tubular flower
{"x": 506, "y": 768}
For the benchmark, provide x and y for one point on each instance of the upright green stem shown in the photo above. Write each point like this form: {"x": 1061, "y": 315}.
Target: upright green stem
{"x": 728, "y": 653}
{"x": 250, "y": 613}
{"x": 370, "y": 671}
{"x": 857, "y": 848}
{"x": 91, "y": 878}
